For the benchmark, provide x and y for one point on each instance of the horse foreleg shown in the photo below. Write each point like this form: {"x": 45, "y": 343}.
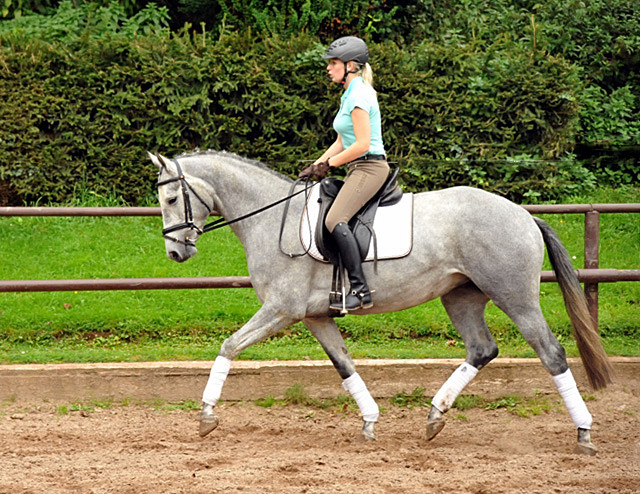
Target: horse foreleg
{"x": 326, "y": 332}
{"x": 266, "y": 322}
{"x": 218, "y": 375}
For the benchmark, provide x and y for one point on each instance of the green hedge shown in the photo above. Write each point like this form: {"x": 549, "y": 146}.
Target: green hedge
{"x": 88, "y": 91}
{"x": 602, "y": 37}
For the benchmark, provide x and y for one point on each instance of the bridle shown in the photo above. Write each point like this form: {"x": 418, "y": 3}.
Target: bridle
{"x": 188, "y": 210}
{"x": 220, "y": 222}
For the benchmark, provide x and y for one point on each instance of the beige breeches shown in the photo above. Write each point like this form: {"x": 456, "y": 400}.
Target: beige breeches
{"x": 363, "y": 180}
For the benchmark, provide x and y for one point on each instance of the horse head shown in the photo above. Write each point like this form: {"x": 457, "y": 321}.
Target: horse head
{"x": 185, "y": 207}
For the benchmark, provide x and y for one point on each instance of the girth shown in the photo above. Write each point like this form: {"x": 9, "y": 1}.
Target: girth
{"x": 362, "y": 222}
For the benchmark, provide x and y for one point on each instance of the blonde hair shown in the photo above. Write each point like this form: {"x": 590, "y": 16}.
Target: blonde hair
{"x": 367, "y": 74}
{"x": 364, "y": 70}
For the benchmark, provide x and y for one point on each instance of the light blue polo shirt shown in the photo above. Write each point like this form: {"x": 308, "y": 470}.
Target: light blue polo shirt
{"x": 363, "y": 96}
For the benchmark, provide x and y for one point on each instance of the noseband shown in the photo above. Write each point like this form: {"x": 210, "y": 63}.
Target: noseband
{"x": 188, "y": 210}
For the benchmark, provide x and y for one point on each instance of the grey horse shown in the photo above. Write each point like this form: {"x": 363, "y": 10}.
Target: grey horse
{"x": 469, "y": 247}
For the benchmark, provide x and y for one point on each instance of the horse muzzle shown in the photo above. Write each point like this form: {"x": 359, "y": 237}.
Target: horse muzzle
{"x": 181, "y": 250}
{"x": 181, "y": 255}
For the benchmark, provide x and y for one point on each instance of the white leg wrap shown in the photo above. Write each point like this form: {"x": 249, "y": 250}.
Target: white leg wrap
{"x": 447, "y": 394}
{"x": 568, "y": 389}
{"x": 358, "y": 390}
{"x": 217, "y": 377}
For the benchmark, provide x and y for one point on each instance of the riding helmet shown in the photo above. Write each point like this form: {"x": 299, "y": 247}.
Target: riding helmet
{"x": 348, "y": 48}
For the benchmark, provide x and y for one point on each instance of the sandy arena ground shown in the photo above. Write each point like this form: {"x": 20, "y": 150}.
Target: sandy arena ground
{"x": 293, "y": 449}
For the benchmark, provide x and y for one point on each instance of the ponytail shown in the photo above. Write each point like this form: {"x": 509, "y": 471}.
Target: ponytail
{"x": 367, "y": 74}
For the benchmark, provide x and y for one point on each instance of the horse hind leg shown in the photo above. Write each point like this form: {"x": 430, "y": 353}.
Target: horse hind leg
{"x": 326, "y": 332}
{"x": 534, "y": 328}
{"x": 465, "y": 306}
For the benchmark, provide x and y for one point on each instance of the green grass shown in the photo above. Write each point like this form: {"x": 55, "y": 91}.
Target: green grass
{"x": 84, "y": 407}
{"x": 191, "y": 324}
{"x": 522, "y": 406}
{"x": 296, "y": 395}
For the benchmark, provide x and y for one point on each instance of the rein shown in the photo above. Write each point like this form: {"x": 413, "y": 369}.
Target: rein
{"x": 220, "y": 222}
{"x": 304, "y": 210}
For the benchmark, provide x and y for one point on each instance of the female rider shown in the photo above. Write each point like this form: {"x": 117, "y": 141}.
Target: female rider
{"x": 359, "y": 146}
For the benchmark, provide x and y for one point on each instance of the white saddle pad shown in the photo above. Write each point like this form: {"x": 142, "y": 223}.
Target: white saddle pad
{"x": 393, "y": 226}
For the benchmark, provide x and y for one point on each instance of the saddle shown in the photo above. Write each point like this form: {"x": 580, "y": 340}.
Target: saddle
{"x": 362, "y": 222}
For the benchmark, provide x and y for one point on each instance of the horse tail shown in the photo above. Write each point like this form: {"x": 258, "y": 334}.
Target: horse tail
{"x": 594, "y": 359}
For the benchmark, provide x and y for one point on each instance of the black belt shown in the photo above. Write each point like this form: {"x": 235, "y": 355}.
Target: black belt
{"x": 371, "y": 157}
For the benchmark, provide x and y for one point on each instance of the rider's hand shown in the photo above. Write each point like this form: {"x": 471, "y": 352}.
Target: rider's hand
{"x": 306, "y": 172}
{"x": 321, "y": 169}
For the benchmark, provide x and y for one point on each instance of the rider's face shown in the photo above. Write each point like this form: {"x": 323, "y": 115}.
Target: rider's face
{"x": 335, "y": 70}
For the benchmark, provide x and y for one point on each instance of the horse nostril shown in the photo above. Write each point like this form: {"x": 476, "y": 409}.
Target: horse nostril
{"x": 174, "y": 256}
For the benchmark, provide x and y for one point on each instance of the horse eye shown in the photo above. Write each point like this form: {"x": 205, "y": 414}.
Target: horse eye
{"x": 172, "y": 201}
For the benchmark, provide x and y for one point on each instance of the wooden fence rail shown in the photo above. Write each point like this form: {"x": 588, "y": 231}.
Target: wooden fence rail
{"x": 591, "y": 275}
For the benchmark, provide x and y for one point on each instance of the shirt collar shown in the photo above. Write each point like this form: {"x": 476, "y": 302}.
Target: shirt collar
{"x": 358, "y": 81}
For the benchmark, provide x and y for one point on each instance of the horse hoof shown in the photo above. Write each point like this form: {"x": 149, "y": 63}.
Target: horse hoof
{"x": 208, "y": 420}
{"x": 367, "y": 431}
{"x": 434, "y": 427}
{"x": 586, "y": 449}
{"x": 585, "y": 446}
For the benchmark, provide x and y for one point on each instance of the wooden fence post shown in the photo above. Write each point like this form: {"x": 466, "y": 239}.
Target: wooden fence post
{"x": 591, "y": 259}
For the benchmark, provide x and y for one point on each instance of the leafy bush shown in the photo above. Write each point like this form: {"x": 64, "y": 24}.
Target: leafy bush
{"x": 327, "y": 19}
{"x": 608, "y": 118}
{"x": 73, "y": 111}
{"x": 14, "y": 9}
{"x": 89, "y": 20}
{"x": 462, "y": 115}
{"x": 88, "y": 90}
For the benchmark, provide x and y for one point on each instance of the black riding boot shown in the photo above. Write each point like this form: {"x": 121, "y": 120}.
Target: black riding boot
{"x": 359, "y": 296}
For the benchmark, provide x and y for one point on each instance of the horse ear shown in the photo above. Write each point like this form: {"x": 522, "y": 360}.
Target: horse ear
{"x": 158, "y": 160}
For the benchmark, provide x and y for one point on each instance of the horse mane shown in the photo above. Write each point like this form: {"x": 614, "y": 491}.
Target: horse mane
{"x": 234, "y": 156}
